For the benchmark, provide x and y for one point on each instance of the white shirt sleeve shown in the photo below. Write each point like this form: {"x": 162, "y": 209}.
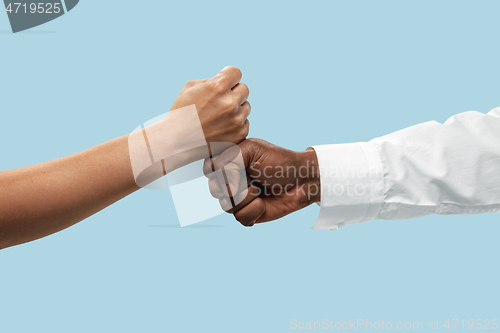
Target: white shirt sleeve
{"x": 430, "y": 168}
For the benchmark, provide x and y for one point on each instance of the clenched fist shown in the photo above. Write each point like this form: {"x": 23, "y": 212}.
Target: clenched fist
{"x": 208, "y": 116}
{"x": 221, "y": 103}
{"x": 259, "y": 182}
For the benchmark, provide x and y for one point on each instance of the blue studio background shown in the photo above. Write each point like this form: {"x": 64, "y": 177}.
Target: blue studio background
{"x": 319, "y": 73}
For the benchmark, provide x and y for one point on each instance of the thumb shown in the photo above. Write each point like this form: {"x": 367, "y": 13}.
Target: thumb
{"x": 233, "y": 163}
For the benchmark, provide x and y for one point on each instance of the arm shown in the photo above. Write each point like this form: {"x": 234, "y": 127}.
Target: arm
{"x": 431, "y": 168}
{"x": 39, "y": 200}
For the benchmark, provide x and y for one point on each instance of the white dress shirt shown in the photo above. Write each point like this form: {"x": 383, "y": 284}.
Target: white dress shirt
{"x": 430, "y": 168}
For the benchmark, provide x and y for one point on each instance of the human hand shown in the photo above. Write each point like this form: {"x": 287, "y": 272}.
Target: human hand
{"x": 267, "y": 183}
{"x": 221, "y": 103}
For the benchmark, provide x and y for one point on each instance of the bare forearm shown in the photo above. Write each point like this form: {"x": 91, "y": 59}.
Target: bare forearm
{"x": 42, "y": 199}
{"x": 39, "y": 200}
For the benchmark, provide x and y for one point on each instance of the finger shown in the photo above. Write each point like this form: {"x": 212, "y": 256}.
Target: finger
{"x": 228, "y": 77}
{"x": 215, "y": 149}
{"x": 230, "y": 178}
{"x": 226, "y": 186}
{"x": 243, "y": 133}
{"x": 231, "y": 155}
{"x": 241, "y": 92}
{"x": 221, "y": 178}
{"x": 242, "y": 155}
{"x": 215, "y": 188}
{"x": 240, "y": 200}
{"x": 245, "y": 110}
{"x": 228, "y": 168}
{"x": 251, "y": 212}
{"x": 208, "y": 167}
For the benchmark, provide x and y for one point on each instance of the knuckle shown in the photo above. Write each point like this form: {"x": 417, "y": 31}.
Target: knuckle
{"x": 229, "y": 104}
{"x": 220, "y": 85}
{"x": 254, "y": 141}
{"x": 236, "y": 123}
{"x": 246, "y": 130}
{"x": 219, "y": 165}
{"x": 243, "y": 134}
{"x": 235, "y": 102}
{"x": 226, "y": 204}
{"x": 190, "y": 84}
{"x": 243, "y": 119}
{"x": 250, "y": 141}
{"x": 207, "y": 166}
{"x": 234, "y": 70}
{"x": 253, "y": 144}
{"x": 215, "y": 192}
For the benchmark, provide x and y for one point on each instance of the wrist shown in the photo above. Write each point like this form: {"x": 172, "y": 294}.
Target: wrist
{"x": 309, "y": 177}
{"x": 178, "y": 138}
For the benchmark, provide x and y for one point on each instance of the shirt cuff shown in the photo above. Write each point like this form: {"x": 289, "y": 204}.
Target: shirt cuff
{"x": 352, "y": 184}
